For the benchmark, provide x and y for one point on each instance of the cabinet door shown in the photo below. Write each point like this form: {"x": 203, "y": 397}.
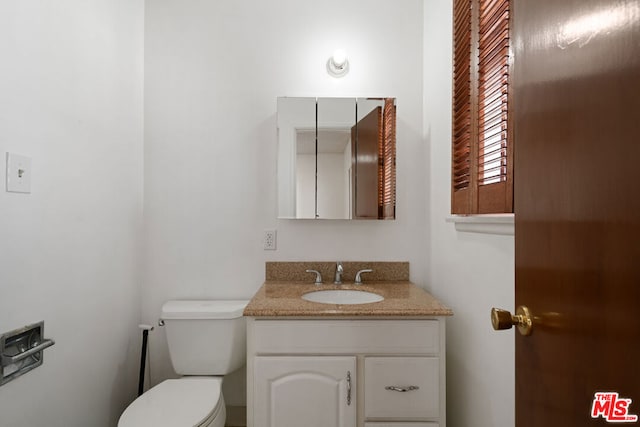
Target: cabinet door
{"x": 310, "y": 391}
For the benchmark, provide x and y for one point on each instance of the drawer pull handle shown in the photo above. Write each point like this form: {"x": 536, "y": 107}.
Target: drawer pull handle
{"x": 348, "y": 388}
{"x": 402, "y": 389}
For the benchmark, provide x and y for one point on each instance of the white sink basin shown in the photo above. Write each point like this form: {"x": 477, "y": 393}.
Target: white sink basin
{"x": 342, "y": 296}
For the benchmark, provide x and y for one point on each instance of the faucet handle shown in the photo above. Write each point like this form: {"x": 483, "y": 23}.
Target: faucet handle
{"x": 318, "y": 276}
{"x": 358, "y": 280}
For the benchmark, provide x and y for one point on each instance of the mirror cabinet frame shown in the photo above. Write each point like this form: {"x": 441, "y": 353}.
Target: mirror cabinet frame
{"x": 336, "y": 158}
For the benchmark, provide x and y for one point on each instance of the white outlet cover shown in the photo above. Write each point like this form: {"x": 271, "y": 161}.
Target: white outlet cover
{"x": 18, "y": 173}
{"x": 270, "y": 239}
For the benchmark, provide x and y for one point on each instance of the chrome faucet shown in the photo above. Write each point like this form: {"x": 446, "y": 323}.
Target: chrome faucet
{"x": 358, "y": 280}
{"x": 339, "y": 271}
{"x": 318, "y": 276}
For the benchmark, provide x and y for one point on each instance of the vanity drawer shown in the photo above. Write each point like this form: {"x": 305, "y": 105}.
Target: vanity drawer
{"x": 374, "y": 424}
{"x": 401, "y": 372}
{"x": 346, "y": 336}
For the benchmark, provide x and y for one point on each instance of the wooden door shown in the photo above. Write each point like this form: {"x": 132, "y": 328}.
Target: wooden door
{"x": 310, "y": 391}
{"x": 577, "y": 210}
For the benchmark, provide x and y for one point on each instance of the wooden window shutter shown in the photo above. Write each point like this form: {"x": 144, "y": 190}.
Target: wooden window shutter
{"x": 482, "y": 142}
{"x": 387, "y": 161}
{"x": 462, "y": 129}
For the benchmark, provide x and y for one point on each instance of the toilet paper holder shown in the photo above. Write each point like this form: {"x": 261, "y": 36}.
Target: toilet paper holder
{"x": 21, "y": 350}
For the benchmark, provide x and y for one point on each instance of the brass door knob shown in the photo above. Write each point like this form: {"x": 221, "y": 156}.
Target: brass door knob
{"x": 502, "y": 319}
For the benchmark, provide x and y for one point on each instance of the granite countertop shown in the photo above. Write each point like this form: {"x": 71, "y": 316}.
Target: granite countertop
{"x": 401, "y": 299}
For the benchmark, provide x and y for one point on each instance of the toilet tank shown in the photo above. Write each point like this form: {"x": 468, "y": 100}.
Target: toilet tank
{"x": 205, "y": 337}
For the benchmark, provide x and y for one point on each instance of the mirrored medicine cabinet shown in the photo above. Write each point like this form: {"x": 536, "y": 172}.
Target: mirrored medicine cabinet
{"x": 336, "y": 158}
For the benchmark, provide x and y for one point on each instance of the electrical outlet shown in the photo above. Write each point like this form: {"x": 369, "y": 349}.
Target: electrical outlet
{"x": 270, "y": 240}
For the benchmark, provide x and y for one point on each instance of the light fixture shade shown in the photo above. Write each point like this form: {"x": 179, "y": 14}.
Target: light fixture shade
{"x": 338, "y": 64}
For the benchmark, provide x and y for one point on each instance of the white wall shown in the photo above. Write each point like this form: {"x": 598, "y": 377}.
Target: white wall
{"x": 213, "y": 70}
{"x": 470, "y": 272}
{"x": 71, "y": 98}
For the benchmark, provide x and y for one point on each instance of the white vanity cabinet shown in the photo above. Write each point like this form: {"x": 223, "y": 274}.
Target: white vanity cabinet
{"x": 346, "y": 372}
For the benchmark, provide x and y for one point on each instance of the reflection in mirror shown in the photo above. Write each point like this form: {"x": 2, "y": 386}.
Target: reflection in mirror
{"x": 294, "y": 115}
{"x": 374, "y": 159}
{"x": 336, "y": 158}
{"x": 305, "y": 181}
{"x": 336, "y": 118}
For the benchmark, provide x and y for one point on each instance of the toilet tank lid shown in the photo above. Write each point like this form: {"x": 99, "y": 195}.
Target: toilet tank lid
{"x": 187, "y": 309}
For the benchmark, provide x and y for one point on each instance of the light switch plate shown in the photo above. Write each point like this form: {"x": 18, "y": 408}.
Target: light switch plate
{"x": 18, "y": 173}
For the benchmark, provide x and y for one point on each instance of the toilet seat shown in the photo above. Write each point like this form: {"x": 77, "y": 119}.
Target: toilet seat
{"x": 184, "y": 402}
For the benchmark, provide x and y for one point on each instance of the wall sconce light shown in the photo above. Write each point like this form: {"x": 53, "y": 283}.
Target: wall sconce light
{"x": 338, "y": 64}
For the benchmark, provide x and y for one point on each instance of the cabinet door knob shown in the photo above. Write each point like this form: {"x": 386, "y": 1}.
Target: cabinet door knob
{"x": 402, "y": 389}
{"x": 348, "y": 388}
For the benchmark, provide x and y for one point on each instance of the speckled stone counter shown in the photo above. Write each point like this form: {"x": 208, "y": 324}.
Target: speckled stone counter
{"x": 296, "y": 271}
{"x": 401, "y": 299}
{"x": 280, "y": 295}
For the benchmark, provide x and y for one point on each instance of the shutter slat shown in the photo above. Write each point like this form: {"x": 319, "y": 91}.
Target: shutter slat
{"x": 463, "y": 135}
{"x": 494, "y": 87}
{"x": 498, "y": 50}
{"x": 493, "y": 175}
{"x": 494, "y": 60}
{"x": 488, "y": 8}
{"x": 497, "y": 60}
{"x": 492, "y": 122}
{"x": 496, "y": 107}
{"x": 494, "y": 129}
{"x": 487, "y": 157}
{"x": 464, "y": 32}
{"x": 490, "y": 85}
{"x": 494, "y": 24}
{"x": 499, "y": 144}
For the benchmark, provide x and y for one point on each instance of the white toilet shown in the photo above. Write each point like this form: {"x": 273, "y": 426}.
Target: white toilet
{"x": 206, "y": 341}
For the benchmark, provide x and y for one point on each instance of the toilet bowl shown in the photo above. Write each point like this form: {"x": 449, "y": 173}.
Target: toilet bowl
{"x": 190, "y": 401}
{"x": 206, "y": 340}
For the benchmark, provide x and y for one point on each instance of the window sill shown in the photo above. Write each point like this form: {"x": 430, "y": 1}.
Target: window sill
{"x": 502, "y": 224}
